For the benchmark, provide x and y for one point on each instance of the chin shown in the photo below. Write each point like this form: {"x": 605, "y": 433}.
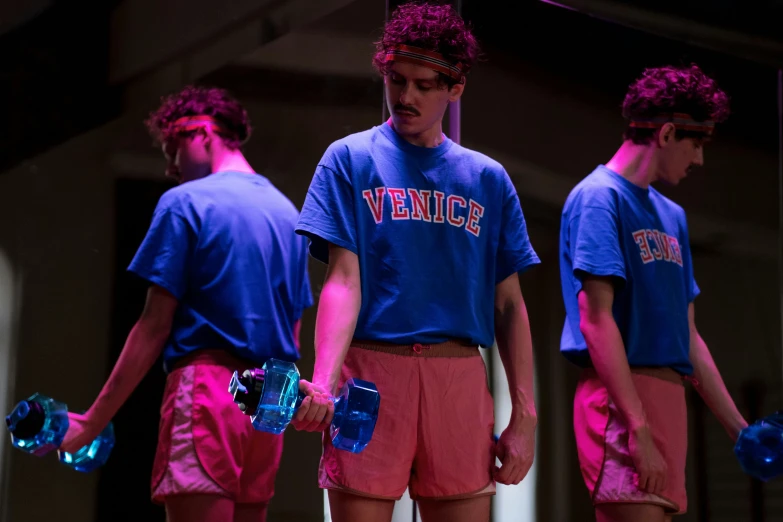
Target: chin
{"x": 404, "y": 126}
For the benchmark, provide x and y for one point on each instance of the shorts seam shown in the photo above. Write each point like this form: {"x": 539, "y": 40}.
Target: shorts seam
{"x": 337, "y": 487}
{"x": 161, "y": 499}
{"x": 172, "y": 416}
{"x": 669, "y": 507}
{"x": 198, "y": 372}
{"x": 600, "y": 478}
{"x": 478, "y": 493}
{"x": 172, "y": 486}
{"x": 624, "y": 492}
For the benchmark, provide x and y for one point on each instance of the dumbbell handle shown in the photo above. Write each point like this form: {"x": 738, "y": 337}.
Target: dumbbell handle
{"x": 248, "y": 388}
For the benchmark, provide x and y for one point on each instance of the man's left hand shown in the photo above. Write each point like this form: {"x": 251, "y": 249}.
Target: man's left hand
{"x": 515, "y": 448}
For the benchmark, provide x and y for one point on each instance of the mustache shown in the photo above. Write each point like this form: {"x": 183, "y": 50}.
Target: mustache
{"x": 403, "y": 108}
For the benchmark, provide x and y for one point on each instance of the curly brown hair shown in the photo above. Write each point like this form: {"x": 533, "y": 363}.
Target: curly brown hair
{"x": 670, "y": 89}
{"x": 430, "y": 26}
{"x": 195, "y": 100}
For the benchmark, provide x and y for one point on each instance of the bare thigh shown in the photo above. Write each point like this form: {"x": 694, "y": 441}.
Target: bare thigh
{"x": 345, "y": 507}
{"x": 474, "y": 509}
{"x": 198, "y": 508}
{"x": 630, "y": 513}
{"x": 250, "y": 512}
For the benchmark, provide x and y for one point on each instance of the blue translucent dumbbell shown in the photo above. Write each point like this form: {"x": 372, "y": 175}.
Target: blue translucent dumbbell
{"x": 759, "y": 448}
{"x": 38, "y": 426}
{"x": 270, "y": 396}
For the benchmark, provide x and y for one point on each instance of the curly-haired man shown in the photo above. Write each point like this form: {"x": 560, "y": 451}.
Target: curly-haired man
{"x": 628, "y": 285}
{"x": 424, "y": 240}
{"x": 228, "y": 285}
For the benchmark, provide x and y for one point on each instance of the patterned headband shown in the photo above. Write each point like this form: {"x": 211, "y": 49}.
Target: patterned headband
{"x": 680, "y": 120}
{"x": 191, "y": 123}
{"x": 430, "y": 59}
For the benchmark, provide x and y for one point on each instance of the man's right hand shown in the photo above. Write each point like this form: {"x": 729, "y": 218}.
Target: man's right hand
{"x": 317, "y": 409}
{"x": 649, "y": 463}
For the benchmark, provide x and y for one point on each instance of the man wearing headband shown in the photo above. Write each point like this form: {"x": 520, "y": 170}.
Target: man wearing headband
{"x": 423, "y": 240}
{"x": 628, "y": 285}
{"x": 228, "y": 285}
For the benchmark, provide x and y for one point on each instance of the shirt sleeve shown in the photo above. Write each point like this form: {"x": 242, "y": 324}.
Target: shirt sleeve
{"x": 594, "y": 240}
{"x": 515, "y": 252}
{"x": 328, "y": 212}
{"x": 163, "y": 256}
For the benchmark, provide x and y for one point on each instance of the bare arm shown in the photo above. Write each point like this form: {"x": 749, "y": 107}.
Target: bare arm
{"x": 516, "y": 446}
{"x": 142, "y": 348}
{"x": 515, "y": 347}
{"x": 710, "y": 385}
{"x": 606, "y": 348}
{"x": 335, "y": 322}
{"x": 338, "y": 310}
{"x": 607, "y": 352}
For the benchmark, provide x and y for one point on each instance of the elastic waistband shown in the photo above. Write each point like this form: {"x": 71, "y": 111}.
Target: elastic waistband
{"x": 445, "y": 349}
{"x": 666, "y": 374}
{"x": 206, "y": 357}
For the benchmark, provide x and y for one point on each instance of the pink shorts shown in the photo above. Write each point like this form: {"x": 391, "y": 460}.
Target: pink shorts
{"x": 205, "y": 444}
{"x": 434, "y": 429}
{"x": 602, "y": 438}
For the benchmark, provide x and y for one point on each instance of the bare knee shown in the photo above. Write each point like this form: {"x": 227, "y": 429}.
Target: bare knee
{"x": 250, "y": 512}
{"x": 198, "y": 508}
{"x": 629, "y": 513}
{"x": 474, "y": 509}
{"x": 345, "y": 507}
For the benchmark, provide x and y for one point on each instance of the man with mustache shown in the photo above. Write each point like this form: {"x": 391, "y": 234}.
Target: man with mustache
{"x": 424, "y": 240}
{"x": 628, "y": 286}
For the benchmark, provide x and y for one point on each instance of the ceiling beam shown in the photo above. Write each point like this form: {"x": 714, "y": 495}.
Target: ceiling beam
{"x": 15, "y": 14}
{"x": 324, "y": 53}
{"x": 746, "y": 46}
{"x": 295, "y": 86}
{"x": 147, "y": 35}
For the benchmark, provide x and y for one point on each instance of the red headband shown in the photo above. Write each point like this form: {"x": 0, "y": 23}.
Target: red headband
{"x": 430, "y": 59}
{"x": 191, "y": 123}
{"x": 680, "y": 120}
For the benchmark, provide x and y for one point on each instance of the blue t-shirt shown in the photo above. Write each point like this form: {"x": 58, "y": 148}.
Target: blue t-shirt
{"x": 611, "y": 227}
{"x": 225, "y": 247}
{"x": 435, "y": 229}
